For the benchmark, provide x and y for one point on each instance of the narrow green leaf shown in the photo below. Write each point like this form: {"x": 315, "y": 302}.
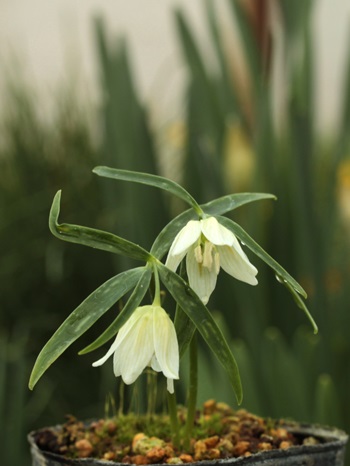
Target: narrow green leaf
{"x": 93, "y": 238}
{"x": 132, "y": 303}
{"x": 299, "y": 302}
{"x": 82, "y": 318}
{"x": 150, "y": 180}
{"x": 184, "y": 326}
{"x": 225, "y": 204}
{"x": 219, "y": 206}
{"x": 204, "y": 322}
{"x": 184, "y": 329}
{"x": 260, "y": 252}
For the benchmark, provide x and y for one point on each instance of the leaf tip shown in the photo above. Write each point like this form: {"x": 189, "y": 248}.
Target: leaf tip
{"x": 31, "y": 383}
{"x": 57, "y": 198}
{"x": 97, "y": 170}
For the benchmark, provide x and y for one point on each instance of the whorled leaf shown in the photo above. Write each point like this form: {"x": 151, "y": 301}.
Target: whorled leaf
{"x": 82, "y": 318}
{"x": 232, "y": 201}
{"x": 217, "y": 207}
{"x": 132, "y": 303}
{"x": 150, "y": 180}
{"x": 299, "y": 302}
{"x": 190, "y": 303}
{"x": 260, "y": 252}
{"x": 185, "y": 329}
{"x": 91, "y": 237}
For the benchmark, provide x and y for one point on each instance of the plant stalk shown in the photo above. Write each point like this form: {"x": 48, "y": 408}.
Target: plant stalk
{"x": 174, "y": 423}
{"x": 157, "y": 299}
{"x": 192, "y": 392}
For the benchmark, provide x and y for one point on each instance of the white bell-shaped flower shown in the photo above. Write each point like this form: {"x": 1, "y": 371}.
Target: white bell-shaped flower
{"x": 209, "y": 246}
{"x": 148, "y": 338}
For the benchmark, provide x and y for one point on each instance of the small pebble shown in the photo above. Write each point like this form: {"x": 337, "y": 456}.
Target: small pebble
{"x": 186, "y": 458}
{"x": 84, "y": 448}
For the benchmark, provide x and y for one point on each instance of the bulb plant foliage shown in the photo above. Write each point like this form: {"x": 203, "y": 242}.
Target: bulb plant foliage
{"x": 144, "y": 334}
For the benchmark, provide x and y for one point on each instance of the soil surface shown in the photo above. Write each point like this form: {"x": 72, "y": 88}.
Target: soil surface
{"x": 219, "y": 432}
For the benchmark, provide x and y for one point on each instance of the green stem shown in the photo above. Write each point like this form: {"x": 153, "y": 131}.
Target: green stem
{"x": 174, "y": 423}
{"x": 121, "y": 398}
{"x": 151, "y": 393}
{"x": 199, "y": 211}
{"x": 156, "y": 300}
{"x": 192, "y": 392}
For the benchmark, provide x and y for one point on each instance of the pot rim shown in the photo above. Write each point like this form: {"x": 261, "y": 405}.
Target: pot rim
{"x": 333, "y": 438}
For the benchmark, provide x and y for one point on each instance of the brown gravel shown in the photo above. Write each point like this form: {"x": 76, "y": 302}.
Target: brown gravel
{"x": 219, "y": 432}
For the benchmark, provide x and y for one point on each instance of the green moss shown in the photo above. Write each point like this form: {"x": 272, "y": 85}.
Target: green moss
{"x": 208, "y": 425}
{"x": 130, "y": 424}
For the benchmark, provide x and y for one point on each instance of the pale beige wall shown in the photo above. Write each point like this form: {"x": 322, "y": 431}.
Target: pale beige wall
{"x": 52, "y": 39}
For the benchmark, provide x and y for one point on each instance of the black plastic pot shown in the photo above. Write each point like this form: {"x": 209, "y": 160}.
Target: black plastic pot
{"x": 329, "y": 452}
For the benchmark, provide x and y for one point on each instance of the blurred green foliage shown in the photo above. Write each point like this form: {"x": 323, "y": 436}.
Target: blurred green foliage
{"x": 229, "y": 142}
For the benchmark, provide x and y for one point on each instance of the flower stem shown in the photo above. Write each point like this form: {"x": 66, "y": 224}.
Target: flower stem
{"x": 156, "y": 300}
{"x": 192, "y": 392}
{"x": 199, "y": 211}
{"x": 121, "y": 398}
{"x": 174, "y": 423}
{"x": 152, "y": 393}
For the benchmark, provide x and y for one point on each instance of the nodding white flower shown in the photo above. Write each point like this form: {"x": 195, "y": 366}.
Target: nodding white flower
{"x": 148, "y": 338}
{"x": 209, "y": 246}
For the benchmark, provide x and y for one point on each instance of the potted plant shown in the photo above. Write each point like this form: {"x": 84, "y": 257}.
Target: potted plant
{"x": 198, "y": 243}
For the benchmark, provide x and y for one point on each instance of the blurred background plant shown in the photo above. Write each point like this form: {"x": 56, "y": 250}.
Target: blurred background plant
{"x": 232, "y": 138}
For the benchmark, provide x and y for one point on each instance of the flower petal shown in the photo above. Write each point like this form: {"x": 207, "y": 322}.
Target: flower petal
{"x": 186, "y": 237}
{"x": 172, "y": 262}
{"x": 137, "y": 349}
{"x": 170, "y": 385}
{"x": 236, "y": 263}
{"x": 201, "y": 279}
{"x": 216, "y": 233}
{"x": 123, "y": 332}
{"x": 165, "y": 343}
{"x": 107, "y": 355}
{"x": 155, "y": 364}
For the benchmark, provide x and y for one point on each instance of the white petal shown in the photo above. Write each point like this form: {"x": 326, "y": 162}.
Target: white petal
{"x": 237, "y": 264}
{"x": 186, "y": 237}
{"x": 123, "y": 332}
{"x": 172, "y": 262}
{"x": 165, "y": 343}
{"x": 155, "y": 364}
{"x": 170, "y": 385}
{"x": 216, "y": 233}
{"x": 201, "y": 279}
{"x": 116, "y": 364}
{"x": 107, "y": 355}
{"x": 136, "y": 350}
